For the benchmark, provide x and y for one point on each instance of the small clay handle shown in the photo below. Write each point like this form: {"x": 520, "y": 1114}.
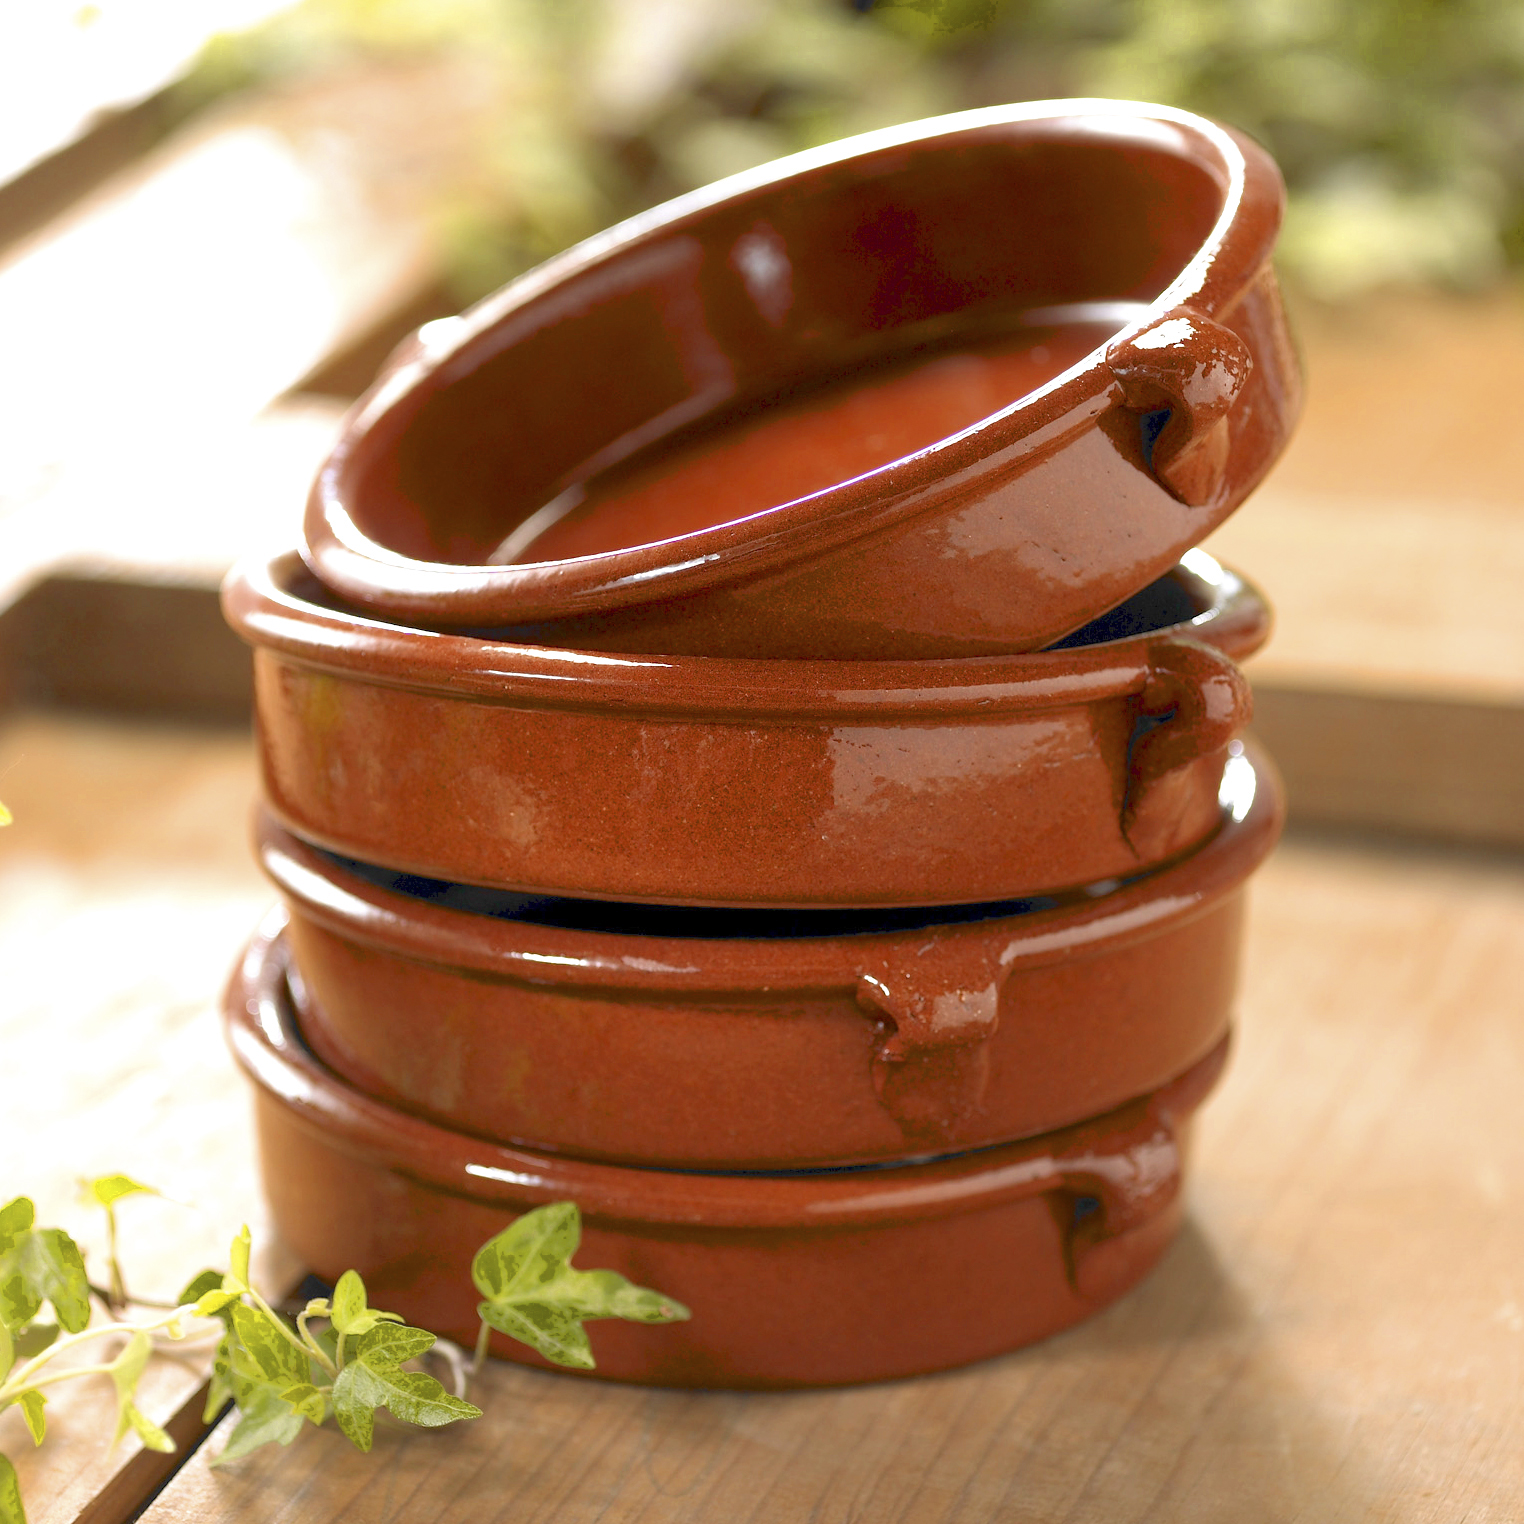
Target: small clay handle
{"x": 1125, "y": 1189}
{"x": 1194, "y": 702}
{"x": 940, "y": 1002}
{"x": 1130, "y": 1185}
{"x": 1192, "y": 369}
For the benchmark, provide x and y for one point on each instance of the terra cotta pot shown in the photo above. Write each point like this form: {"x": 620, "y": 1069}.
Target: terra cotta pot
{"x": 949, "y": 388}
{"x": 708, "y": 781}
{"x": 795, "y": 1280}
{"x": 671, "y": 1037}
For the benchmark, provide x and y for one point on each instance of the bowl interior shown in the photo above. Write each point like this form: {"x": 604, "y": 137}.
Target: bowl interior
{"x": 816, "y": 328}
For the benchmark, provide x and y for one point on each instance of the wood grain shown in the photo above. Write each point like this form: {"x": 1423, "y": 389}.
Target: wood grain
{"x": 125, "y": 886}
{"x": 1337, "y": 1336}
{"x": 149, "y": 327}
{"x": 1420, "y": 765}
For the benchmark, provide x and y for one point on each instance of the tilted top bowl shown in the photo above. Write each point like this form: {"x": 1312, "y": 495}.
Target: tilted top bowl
{"x": 951, "y": 388}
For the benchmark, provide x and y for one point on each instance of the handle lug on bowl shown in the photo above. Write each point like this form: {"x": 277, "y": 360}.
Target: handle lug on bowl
{"x": 1134, "y": 1185}
{"x": 1128, "y": 1189}
{"x": 1197, "y": 701}
{"x": 941, "y": 1001}
{"x": 1193, "y": 369}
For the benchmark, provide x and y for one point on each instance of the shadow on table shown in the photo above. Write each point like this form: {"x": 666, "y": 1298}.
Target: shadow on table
{"x": 1172, "y": 1405}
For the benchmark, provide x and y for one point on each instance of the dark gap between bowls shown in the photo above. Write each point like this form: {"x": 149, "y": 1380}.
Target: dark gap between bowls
{"x": 699, "y": 922}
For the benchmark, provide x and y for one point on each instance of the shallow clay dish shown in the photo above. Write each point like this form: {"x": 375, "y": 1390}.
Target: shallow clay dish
{"x": 710, "y": 1040}
{"x": 802, "y": 1280}
{"x": 706, "y": 781}
{"x": 951, "y": 388}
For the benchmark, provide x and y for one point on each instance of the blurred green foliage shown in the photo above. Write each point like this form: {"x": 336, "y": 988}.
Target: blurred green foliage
{"x": 1399, "y": 123}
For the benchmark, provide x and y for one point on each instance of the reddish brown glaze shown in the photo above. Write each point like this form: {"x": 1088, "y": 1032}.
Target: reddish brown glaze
{"x": 672, "y": 332}
{"x": 707, "y": 781}
{"x": 749, "y": 1051}
{"x": 793, "y": 450}
{"x": 802, "y": 1280}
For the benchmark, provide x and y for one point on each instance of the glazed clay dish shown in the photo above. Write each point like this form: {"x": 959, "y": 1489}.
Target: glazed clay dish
{"x": 709, "y": 781}
{"x": 951, "y": 388}
{"x": 743, "y": 1040}
{"x": 802, "y": 1280}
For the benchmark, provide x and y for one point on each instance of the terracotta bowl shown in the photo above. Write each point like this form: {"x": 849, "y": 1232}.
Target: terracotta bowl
{"x": 794, "y": 1280}
{"x": 706, "y": 781}
{"x": 950, "y": 388}
{"x": 762, "y": 1040}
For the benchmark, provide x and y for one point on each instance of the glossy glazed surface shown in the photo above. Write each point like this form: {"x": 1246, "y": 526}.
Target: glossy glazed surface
{"x": 896, "y": 248}
{"x": 755, "y": 1052}
{"x": 706, "y": 781}
{"x": 793, "y": 1280}
{"x": 794, "y": 449}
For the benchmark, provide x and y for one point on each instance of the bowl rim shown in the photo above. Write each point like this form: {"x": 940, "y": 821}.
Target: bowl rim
{"x": 1083, "y": 924}
{"x": 1121, "y": 1151}
{"x": 1210, "y": 282}
{"x": 266, "y": 610}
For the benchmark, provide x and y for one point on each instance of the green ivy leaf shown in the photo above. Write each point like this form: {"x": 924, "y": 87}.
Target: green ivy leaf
{"x": 349, "y": 1313}
{"x": 32, "y": 1405}
{"x": 256, "y": 1365}
{"x": 607, "y": 1294}
{"x": 153, "y": 1437}
{"x": 534, "y": 1295}
{"x": 44, "y": 1264}
{"x": 124, "y": 1372}
{"x": 34, "y": 1338}
{"x": 107, "y": 1190}
{"x": 307, "y": 1400}
{"x": 556, "y": 1332}
{"x": 373, "y": 1379}
{"x": 394, "y": 1343}
{"x": 530, "y": 1251}
{"x": 263, "y": 1419}
{"x": 219, "y": 1389}
{"x": 208, "y": 1296}
{"x": 7, "y": 1351}
{"x": 348, "y": 1302}
{"x": 263, "y": 1352}
{"x": 15, "y": 1218}
{"x": 11, "y": 1511}
{"x": 238, "y": 1258}
{"x": 19, "y": 1303}
{"x": 198, "y": 1286}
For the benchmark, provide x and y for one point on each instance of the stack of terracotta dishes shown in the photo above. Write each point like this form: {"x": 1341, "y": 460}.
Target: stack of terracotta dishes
{"x": 750, "y": 748}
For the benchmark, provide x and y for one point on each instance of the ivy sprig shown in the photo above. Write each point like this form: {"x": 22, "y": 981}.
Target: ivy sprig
{"x": 531, "y": 1292}
{"x": 43, "y": 1268}
{"x": 282, "y": 1376}
{"x": 338, "y": 1357}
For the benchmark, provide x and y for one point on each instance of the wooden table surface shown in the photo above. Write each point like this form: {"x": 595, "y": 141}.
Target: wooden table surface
{"x": 1337, "y": 1335}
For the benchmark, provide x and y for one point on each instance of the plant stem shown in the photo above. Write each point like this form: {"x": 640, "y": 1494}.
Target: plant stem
{"x": 20, "y": 1379}
{"x": 57, "y": 1376}
{"x": 118, "y": 1283}
{"x": 103, "y": 1295}
{"x": 479, "y": 1359}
